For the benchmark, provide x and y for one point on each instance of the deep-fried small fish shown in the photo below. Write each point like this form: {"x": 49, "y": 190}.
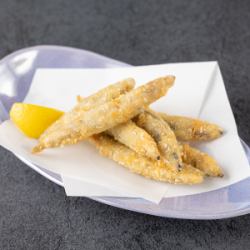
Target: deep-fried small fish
{"x": 156, "y": 170}
{"x": 189, "y": 129}
{"x": 79, "y": 124}
{"x": 135, "y": 138}
{"x": 201, "y": 160}
{"x": 164, "y": 137}
{"x": 105, "y": 95}
{"x": 63, "y": 128}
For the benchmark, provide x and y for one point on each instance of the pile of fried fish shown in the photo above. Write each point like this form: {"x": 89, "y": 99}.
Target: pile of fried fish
{"x": 117, "y": 120}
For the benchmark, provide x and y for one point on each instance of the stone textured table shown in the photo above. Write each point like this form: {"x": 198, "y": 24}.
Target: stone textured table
{"x": 35, "y": 213}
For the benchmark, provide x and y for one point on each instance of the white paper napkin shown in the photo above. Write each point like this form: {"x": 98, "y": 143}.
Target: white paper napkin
{"x": 199, "y": 90}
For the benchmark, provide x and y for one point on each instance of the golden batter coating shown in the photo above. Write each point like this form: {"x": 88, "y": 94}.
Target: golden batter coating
{"x": 201, "y": 160}
{"x": 106, "y": 94}
{"x": 79, "y": 124}
{"x": 135, "y": 138}
{"x": 65, "y": 131}
{"x": 156, "y": 170}
{"x": 164, "y": 137}
{"x": 189, "y": 129}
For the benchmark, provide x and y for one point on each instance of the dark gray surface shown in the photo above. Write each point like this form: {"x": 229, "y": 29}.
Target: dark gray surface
{"x": 35, "y": 213}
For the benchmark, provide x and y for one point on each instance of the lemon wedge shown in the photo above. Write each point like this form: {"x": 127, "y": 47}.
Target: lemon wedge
{"x": 33, "y": 120}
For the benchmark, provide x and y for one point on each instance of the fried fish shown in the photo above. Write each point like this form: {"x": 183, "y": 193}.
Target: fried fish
{"x": 156, "y": 170}
{"x": 189, "y": 129}
{"x": 79, "y": 124}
